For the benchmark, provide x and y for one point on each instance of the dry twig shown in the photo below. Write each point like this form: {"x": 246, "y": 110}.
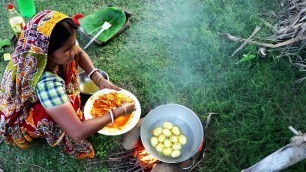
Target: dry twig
{"x": 34, "y": 165}
{"x": 208, "y": 119}
{"x": 246, "y": 41}
{"x": 291, "y": 29}
{"x": 288, "y": 42}
{"x": 288, "y": 35}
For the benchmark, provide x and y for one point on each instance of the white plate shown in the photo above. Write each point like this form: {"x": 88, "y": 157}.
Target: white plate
{"x": 114, "y": 131}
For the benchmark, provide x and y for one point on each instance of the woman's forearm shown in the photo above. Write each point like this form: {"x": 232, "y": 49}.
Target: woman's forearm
{"x": 65, "y": 116}
{"x": 85, "y": 62}
{"x": 93, "y": 125}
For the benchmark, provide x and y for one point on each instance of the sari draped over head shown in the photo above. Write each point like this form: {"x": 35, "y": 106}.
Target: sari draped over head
{"x": 24, "y": 116}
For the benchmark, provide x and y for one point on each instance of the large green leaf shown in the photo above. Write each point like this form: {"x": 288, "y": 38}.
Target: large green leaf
{"x": 93, "y": 22}
{"x": 4, "y": 42}
{"x": 246, "y": 57}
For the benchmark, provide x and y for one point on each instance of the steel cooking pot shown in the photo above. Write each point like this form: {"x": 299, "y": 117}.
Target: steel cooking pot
{"x": 84, "y": 79}
{"x": 181, "y": 116}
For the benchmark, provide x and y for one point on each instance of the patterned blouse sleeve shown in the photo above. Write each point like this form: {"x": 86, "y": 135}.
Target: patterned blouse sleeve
{"x": 51, "y": 90}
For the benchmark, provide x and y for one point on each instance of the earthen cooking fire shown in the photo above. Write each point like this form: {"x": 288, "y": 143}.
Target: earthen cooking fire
{"x": 133, "y": 157}
{"x": 146, "y": 160}
{"x": 131, "y": 142}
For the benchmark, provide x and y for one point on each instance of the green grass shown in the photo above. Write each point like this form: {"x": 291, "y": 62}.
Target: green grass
{"x": 172, "y": 54}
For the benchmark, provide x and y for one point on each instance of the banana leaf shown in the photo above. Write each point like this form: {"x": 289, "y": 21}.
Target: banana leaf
{"x": 4, "y": 42}
{"x": 93, "y": 22}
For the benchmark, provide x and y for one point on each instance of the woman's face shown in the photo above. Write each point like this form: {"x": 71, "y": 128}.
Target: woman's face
{"x": 66, "y": 53}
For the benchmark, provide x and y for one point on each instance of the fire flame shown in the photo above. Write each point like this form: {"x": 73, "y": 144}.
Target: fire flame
{"x": 146, "y": 159}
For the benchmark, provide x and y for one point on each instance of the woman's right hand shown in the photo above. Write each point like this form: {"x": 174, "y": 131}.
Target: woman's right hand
{"x": 130, "y": 107}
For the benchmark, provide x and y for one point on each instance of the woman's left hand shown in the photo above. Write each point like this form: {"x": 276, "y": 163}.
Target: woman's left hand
{"x": 103, "y": 83}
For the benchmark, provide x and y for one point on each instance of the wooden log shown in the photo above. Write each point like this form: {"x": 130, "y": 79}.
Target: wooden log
{"x": 166, "y": 167}
{"x": 131, "y": 138}
{"x": 282, "y": 158}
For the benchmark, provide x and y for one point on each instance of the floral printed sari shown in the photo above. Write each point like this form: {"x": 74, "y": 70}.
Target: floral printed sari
{"x": 24, "y": 116}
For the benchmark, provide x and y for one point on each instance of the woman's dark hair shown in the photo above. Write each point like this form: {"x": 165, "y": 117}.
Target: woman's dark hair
{"x": 60, "y": 33}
